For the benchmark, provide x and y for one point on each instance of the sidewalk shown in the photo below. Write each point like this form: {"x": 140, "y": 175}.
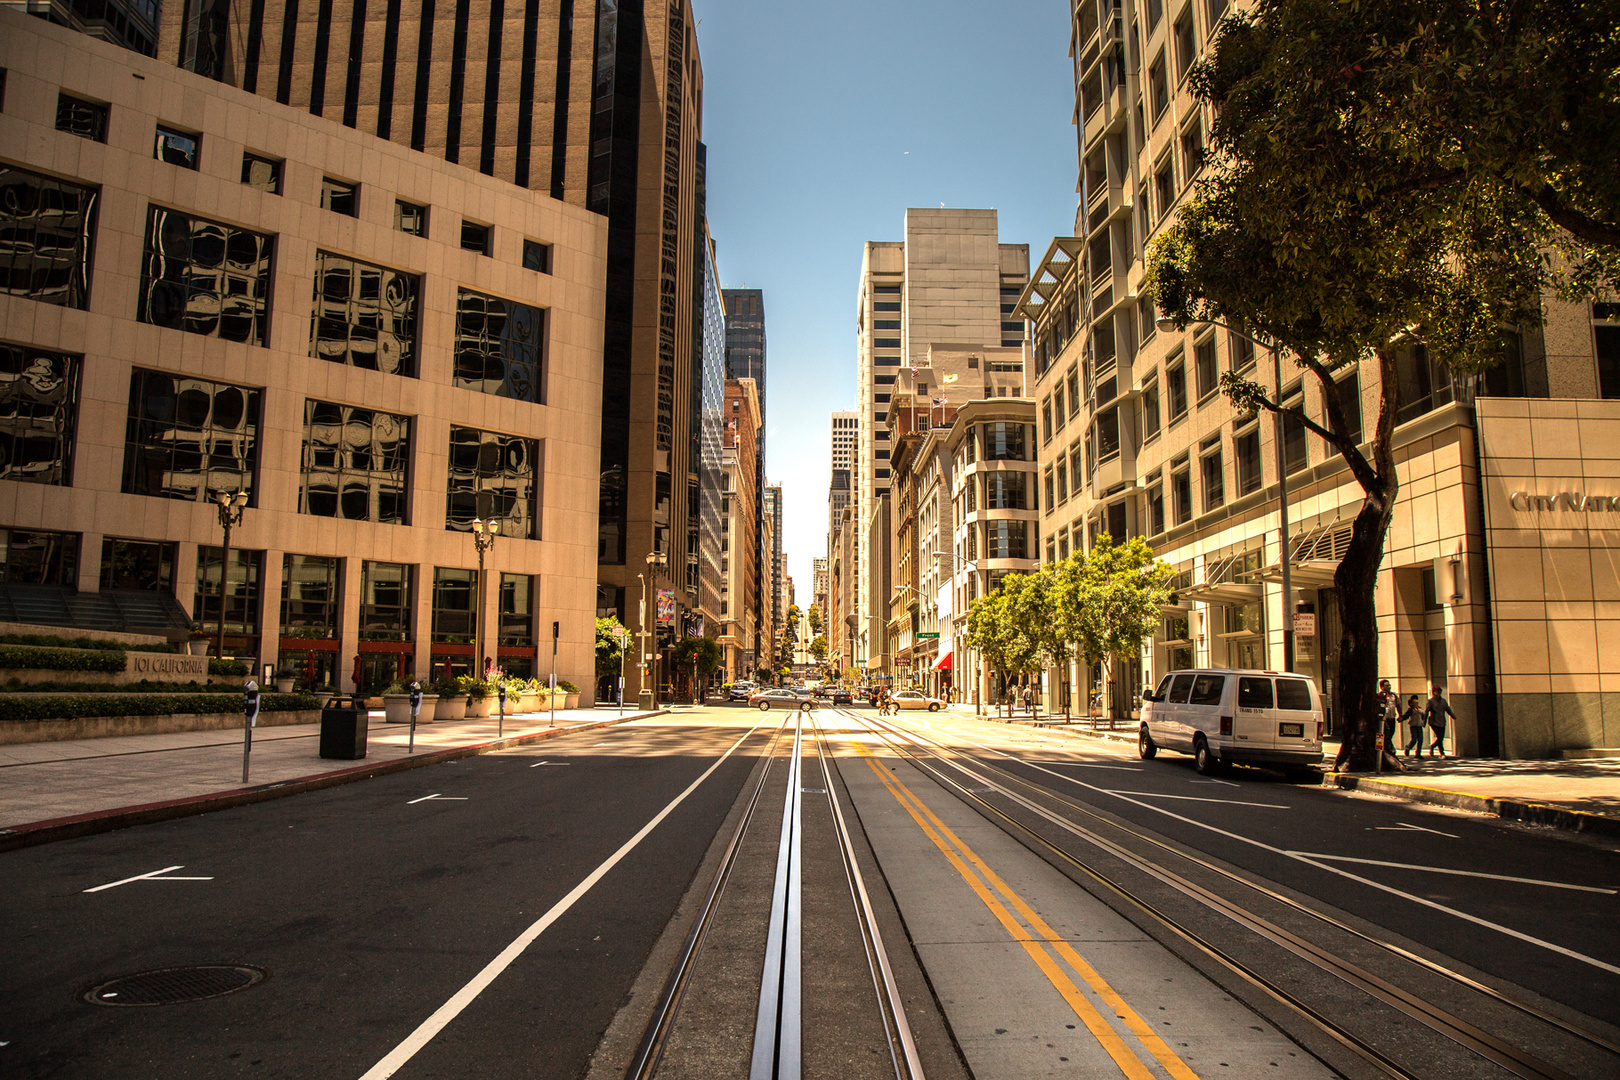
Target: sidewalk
{"x": 1582, "y": 796}
{"x": 53, "y": 790}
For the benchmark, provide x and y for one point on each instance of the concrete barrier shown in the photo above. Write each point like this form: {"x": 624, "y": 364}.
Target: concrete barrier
{"x": 96, "y": 727}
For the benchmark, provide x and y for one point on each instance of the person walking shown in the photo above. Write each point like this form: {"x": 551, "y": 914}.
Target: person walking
{"x": 1436, "y": 712}
{"x": 1389, "y": 710}
{"x": 1029, "y": 699}
{"x": 1413, "y": 719}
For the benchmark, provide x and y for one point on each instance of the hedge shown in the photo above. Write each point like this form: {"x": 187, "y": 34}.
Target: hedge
{"x": 217, "y": 666}
{"x": 145, "y": 686}
{"x": 86, "y": 705}
{"x": 54, "y": 641}
{"x": 34, "y": 658}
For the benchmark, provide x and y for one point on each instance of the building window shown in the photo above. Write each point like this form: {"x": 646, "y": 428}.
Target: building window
{"x": 1350, "y": 403}
{"x": 39, "y": 403}
{"x": 311, "y": 590}
{"x": 455, "y": 619}
{"x": 1295, "y": 454}
{"x": 517, "y": 609}
{"x": 1158, "y": 87}
{"x": 499, "y": 347}
{"x": 1421, "y": 384}
{"x": 1057, "y": 405}
{"x": 1150, "y": 411}
{"x": 537, "y": 256}
{"x": 205, "y": 277}
{"x": 1155, "y": 507}
{"x": 1108, "y": 435}
{"x": 1005, "y": 491}
{"x": 340, "y": 197}
{"x": 885, "y": 343}
{"x": 1175, "y": 381}
{"x": 1246, "y": 452}
{"x": 1155, "y": 11}
{"x": 1241, "y": 350}
{"x": 1006, "y": 539}
{"x": 475, "y": 237}
{"x": 1181, "y": 490}
{"x": 387, "y": 611}
{"x": 410, "y": 218}
{"x": 356, "y": 464}
{"x": 1046, "y": 421}
{"x": 182, "y": 148}
{"x": 365, "y": 315}
{"x": 86, "y": 119}
{"x": 205, "y": 45}
{"x": 1608, "y": 360}
{"x": 1164, "y": 186}
{"x": 189, "y": 438}
{"x": 1063, "y": 483}
{"x": 36, "y": 557}
{"x": 1186, "y": 45}
{"x": 262, "y": 173}
{"x": 1206, "y": 371}
{"x": 146, "y": 565}
{"x": 1192, "y": 151}
{"x": 241, "y": 590}
{"x": 1212, "y": 473}
{"x": 1050, "y": 489}
{"x": 493, "y": 476}
{"x": 47, "y": 232}
{"x": 1003, "y": 441}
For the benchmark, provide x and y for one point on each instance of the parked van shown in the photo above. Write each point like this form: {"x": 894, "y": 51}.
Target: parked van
{"x": 1223, "y": 715}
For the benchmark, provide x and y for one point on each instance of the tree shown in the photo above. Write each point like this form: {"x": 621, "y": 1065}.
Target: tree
{"x": 1110, "y": 599}
{"x": 608, "y": 647}
{"x": 1004, "y": 626}
{"x": 818, "y": 648}
{"x": 697, "y": 656}
{"x": 1390, "y": 174}
{"x": 815, "y": 619}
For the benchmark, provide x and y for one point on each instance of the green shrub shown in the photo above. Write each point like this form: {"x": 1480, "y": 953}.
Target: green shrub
{"x": 567, "y": 687}
{"x": 37, "y": 658}
{"x": 145, "y": 686}
{"x": 75, "y": 706}
{"x": 54, "y": 641}
{"x": 217, "y": 666}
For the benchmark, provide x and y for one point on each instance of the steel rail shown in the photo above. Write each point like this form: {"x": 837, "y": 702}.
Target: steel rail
{"x": 653, "y": 1042}
{"x": 1516, "y": 1061}
{"x": 902, "y": 1046}
{"x": 778, "y": 1021}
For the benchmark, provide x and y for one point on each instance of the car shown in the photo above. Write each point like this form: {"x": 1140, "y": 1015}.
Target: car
{"x": 739, "y": 691}
{"x": 780, "y": 697}
{"x": 1223, "y": 716}
{"x": 916, "y": 699}
{"x": 841, "y": 696}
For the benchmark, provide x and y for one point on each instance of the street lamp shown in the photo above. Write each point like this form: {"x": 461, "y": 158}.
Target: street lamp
{"x": 648, "y": 698}
{"x": 1275, "y": 348}
{"x": 230, "y": 509}
{"x": 484, "y": 533}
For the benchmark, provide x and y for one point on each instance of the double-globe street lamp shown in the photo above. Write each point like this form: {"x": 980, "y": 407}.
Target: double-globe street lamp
{"x": 647, "y": 699}
{"x": 1272, "y": 346}
{"x": 484, "y": 534}
{"x": 230, "y": 509}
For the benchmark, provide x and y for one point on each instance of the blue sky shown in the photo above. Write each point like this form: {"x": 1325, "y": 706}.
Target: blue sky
{"x": 824, "y": 121}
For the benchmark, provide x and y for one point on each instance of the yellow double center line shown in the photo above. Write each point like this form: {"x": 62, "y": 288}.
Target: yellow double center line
{"x": 982, "y": 880}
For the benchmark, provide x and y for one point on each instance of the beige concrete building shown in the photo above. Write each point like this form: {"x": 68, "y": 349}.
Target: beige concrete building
{"x": 258, "y": 307}
{"x": 739, "y": 537}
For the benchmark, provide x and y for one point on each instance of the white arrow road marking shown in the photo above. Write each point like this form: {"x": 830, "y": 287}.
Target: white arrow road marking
{"x": 1459, "y": 873}
{"x": 153, "y": 876}
{"x": 537, "y": 764}
{"x": 1402, "y": 826}
{"x": 1195, "y": 798}
{"x": 441, "y": 798}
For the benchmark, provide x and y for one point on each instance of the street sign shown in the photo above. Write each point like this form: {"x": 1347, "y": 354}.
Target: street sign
{"x": 928, "y": 635}
{"x": 1305, "y": 622}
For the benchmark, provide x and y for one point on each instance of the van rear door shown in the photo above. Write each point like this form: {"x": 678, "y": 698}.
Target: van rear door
{"x": 1254, "y": 724}
{"x": 1296, "y": 715}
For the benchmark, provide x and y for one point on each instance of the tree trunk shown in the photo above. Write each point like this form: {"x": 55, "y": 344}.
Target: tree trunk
{"x": 1355, "y": 693}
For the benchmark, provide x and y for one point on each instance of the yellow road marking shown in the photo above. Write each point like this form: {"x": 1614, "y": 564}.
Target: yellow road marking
{"x": 949, "y": 844}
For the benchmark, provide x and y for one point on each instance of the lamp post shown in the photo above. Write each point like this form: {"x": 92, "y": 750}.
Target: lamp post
{"x": 484, "y": 533}
{"x": 1275, "y": 349}
{"x": 656, "y": 560}
{"x": 230, "y": 509}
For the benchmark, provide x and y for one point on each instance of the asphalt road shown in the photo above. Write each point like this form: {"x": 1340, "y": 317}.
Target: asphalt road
{"x": 370, "y": 906}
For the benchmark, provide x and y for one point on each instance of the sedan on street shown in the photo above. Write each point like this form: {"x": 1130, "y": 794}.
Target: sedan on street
{"x": 916, "y": 699}
{"x": 780, "y": 697}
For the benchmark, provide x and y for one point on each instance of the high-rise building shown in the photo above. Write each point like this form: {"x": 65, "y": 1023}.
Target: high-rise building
{"x": 130, "y": 24}
{"x": 739, "y": 531}
{"x": 745, "y": 338}
{"x": 949, "y": 283}
{"x": 772, "y": 509}
{"x": 708, "y": 420}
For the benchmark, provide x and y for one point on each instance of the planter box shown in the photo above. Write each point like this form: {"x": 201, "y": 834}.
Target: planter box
{"x": 526, "y": 703}
{"x": 453, "y": 707}
{"x": 571, "y": 702}
{"x": 484, "y": 706}
{"x": 397, "y": 708}
{"x": 157, "y": 667}
{"x": 97, "y": 727}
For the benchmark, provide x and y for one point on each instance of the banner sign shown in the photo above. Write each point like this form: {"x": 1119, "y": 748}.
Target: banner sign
{"x": 666, "y": 606}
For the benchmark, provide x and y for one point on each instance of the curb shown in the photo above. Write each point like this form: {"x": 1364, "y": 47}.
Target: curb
{"x": 100, "y": 821}
{"x": 1529, "y": 813}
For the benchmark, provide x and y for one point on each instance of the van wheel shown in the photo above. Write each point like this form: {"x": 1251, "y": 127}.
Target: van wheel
{"x": 1204, "y": 760}
{"x": 1144, "y": 744}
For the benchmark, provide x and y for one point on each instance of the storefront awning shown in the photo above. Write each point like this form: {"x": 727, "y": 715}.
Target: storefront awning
{"x": 943, "y": 663}
{"x": 1228, "y": 592}
{"x": 1312, "y": 574}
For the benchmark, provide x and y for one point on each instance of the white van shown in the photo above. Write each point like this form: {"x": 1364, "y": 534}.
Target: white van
{"x": 1223, "y": 715}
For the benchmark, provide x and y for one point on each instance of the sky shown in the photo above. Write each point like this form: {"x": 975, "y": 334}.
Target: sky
{"x": 824, "y": 121}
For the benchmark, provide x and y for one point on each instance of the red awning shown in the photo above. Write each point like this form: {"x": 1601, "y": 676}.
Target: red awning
{"x": 943, "y": 663}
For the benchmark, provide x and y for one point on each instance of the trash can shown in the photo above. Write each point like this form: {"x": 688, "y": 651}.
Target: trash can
{"x": 343, "y": 728}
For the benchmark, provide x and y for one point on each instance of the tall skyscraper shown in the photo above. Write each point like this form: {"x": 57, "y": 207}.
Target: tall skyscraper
{"x": 950, "y": 282}
{"x": 131, "y": 24}
{"x": 772, "y": 508}
{"x": 745, "y": 337}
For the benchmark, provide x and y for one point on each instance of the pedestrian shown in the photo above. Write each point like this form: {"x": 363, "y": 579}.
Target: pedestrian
{"x": 1413, "y": 719}
{"x": 1029, "y": 699}
{"x": 1436, "y": 711}
{"x": 1389, "y": 711}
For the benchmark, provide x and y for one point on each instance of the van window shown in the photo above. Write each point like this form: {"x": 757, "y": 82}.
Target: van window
{"x": 1163, "y": 691}
{"x": 1254, "y": 693}
{"x": 1207, "y": 690}
{"x": 1178, "y": 692}
{"x": 1294, "y": 694}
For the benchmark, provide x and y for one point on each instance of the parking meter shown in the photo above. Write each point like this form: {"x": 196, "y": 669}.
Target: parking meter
{"x": 416, "y": 707}
{"x": 500, "y": 692}
{"x": 250, "y": 714}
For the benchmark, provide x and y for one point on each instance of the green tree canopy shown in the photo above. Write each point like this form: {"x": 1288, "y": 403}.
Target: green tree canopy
{"x": 608, "y": 632}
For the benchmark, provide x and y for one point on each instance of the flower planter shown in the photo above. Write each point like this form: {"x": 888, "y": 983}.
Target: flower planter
{"x": 527, "y": 703}
{"x": 571, "y": 701}
{"x": 198, "y": 646}
{"x": 285, "y": 686}
{"x": 452, "y": 707}
{"x": 484, "y": 706}
{"x": 397, "y": 708}
{"x": 323, "y": 697}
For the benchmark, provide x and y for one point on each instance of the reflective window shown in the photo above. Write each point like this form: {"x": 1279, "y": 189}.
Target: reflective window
{"x": 241, "y": 590}
{"x": 385, "y": 602}
{"x": 1421, "y": 383}
{"x": 1004, "y": 491}
{"x": 262, "y": 173}
{"x": 517, "y": 609}
{"x": 340, "y": 197}
{"x": 365, "y": 315}
{"x": 86, "y": 119}
{"x": 455, "y": 619}
{"x": 537, "y": 256}
{"x": 1254, "y": 693}
{"x": 1003, "y": 441}
{"x": 1207, "y": 690}
{"x": 137, "y": 564}
{"x": 39, "y": 399}
{"x": 1246, "y": 451}
{"x": 35, "y": 557}
{"x": 1295, "y": 453}
{"x": 493, "y": 475}
{"x": 1005, "y": 540}
{"x": 1294, "y": 694}
{"x": 189, "y": 438}
{"x": 356, "y": 464}
{"x": 176, "y": 147}
{"x": 204, "y": 277}
{"x": 499, "y": 347}
{"x": 410, "y": 218}
{"x": 475, "y": 237}
{"x": 205, "y": 45}
{"x": 47, "y": 232}
{"x": 311, "y": 588}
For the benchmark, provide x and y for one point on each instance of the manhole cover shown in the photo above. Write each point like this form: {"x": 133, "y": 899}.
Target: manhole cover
{"x": 171, "y": 985}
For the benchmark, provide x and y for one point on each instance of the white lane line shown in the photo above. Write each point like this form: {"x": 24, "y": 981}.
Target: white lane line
{"x": 153, "y": 876}
{"x": 1195, "y": 798}
{"x": 441, "y": 798}
{"x": 1402, "y": 826}
{"x": 447, "y": 1012}
{"x": 537, "y": 764}
{"x": 1459, "y": 873}
{"x": 1227, "y": 783}
{"x": 1089, "y": 765}
{"x": 1322, "y": 865}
